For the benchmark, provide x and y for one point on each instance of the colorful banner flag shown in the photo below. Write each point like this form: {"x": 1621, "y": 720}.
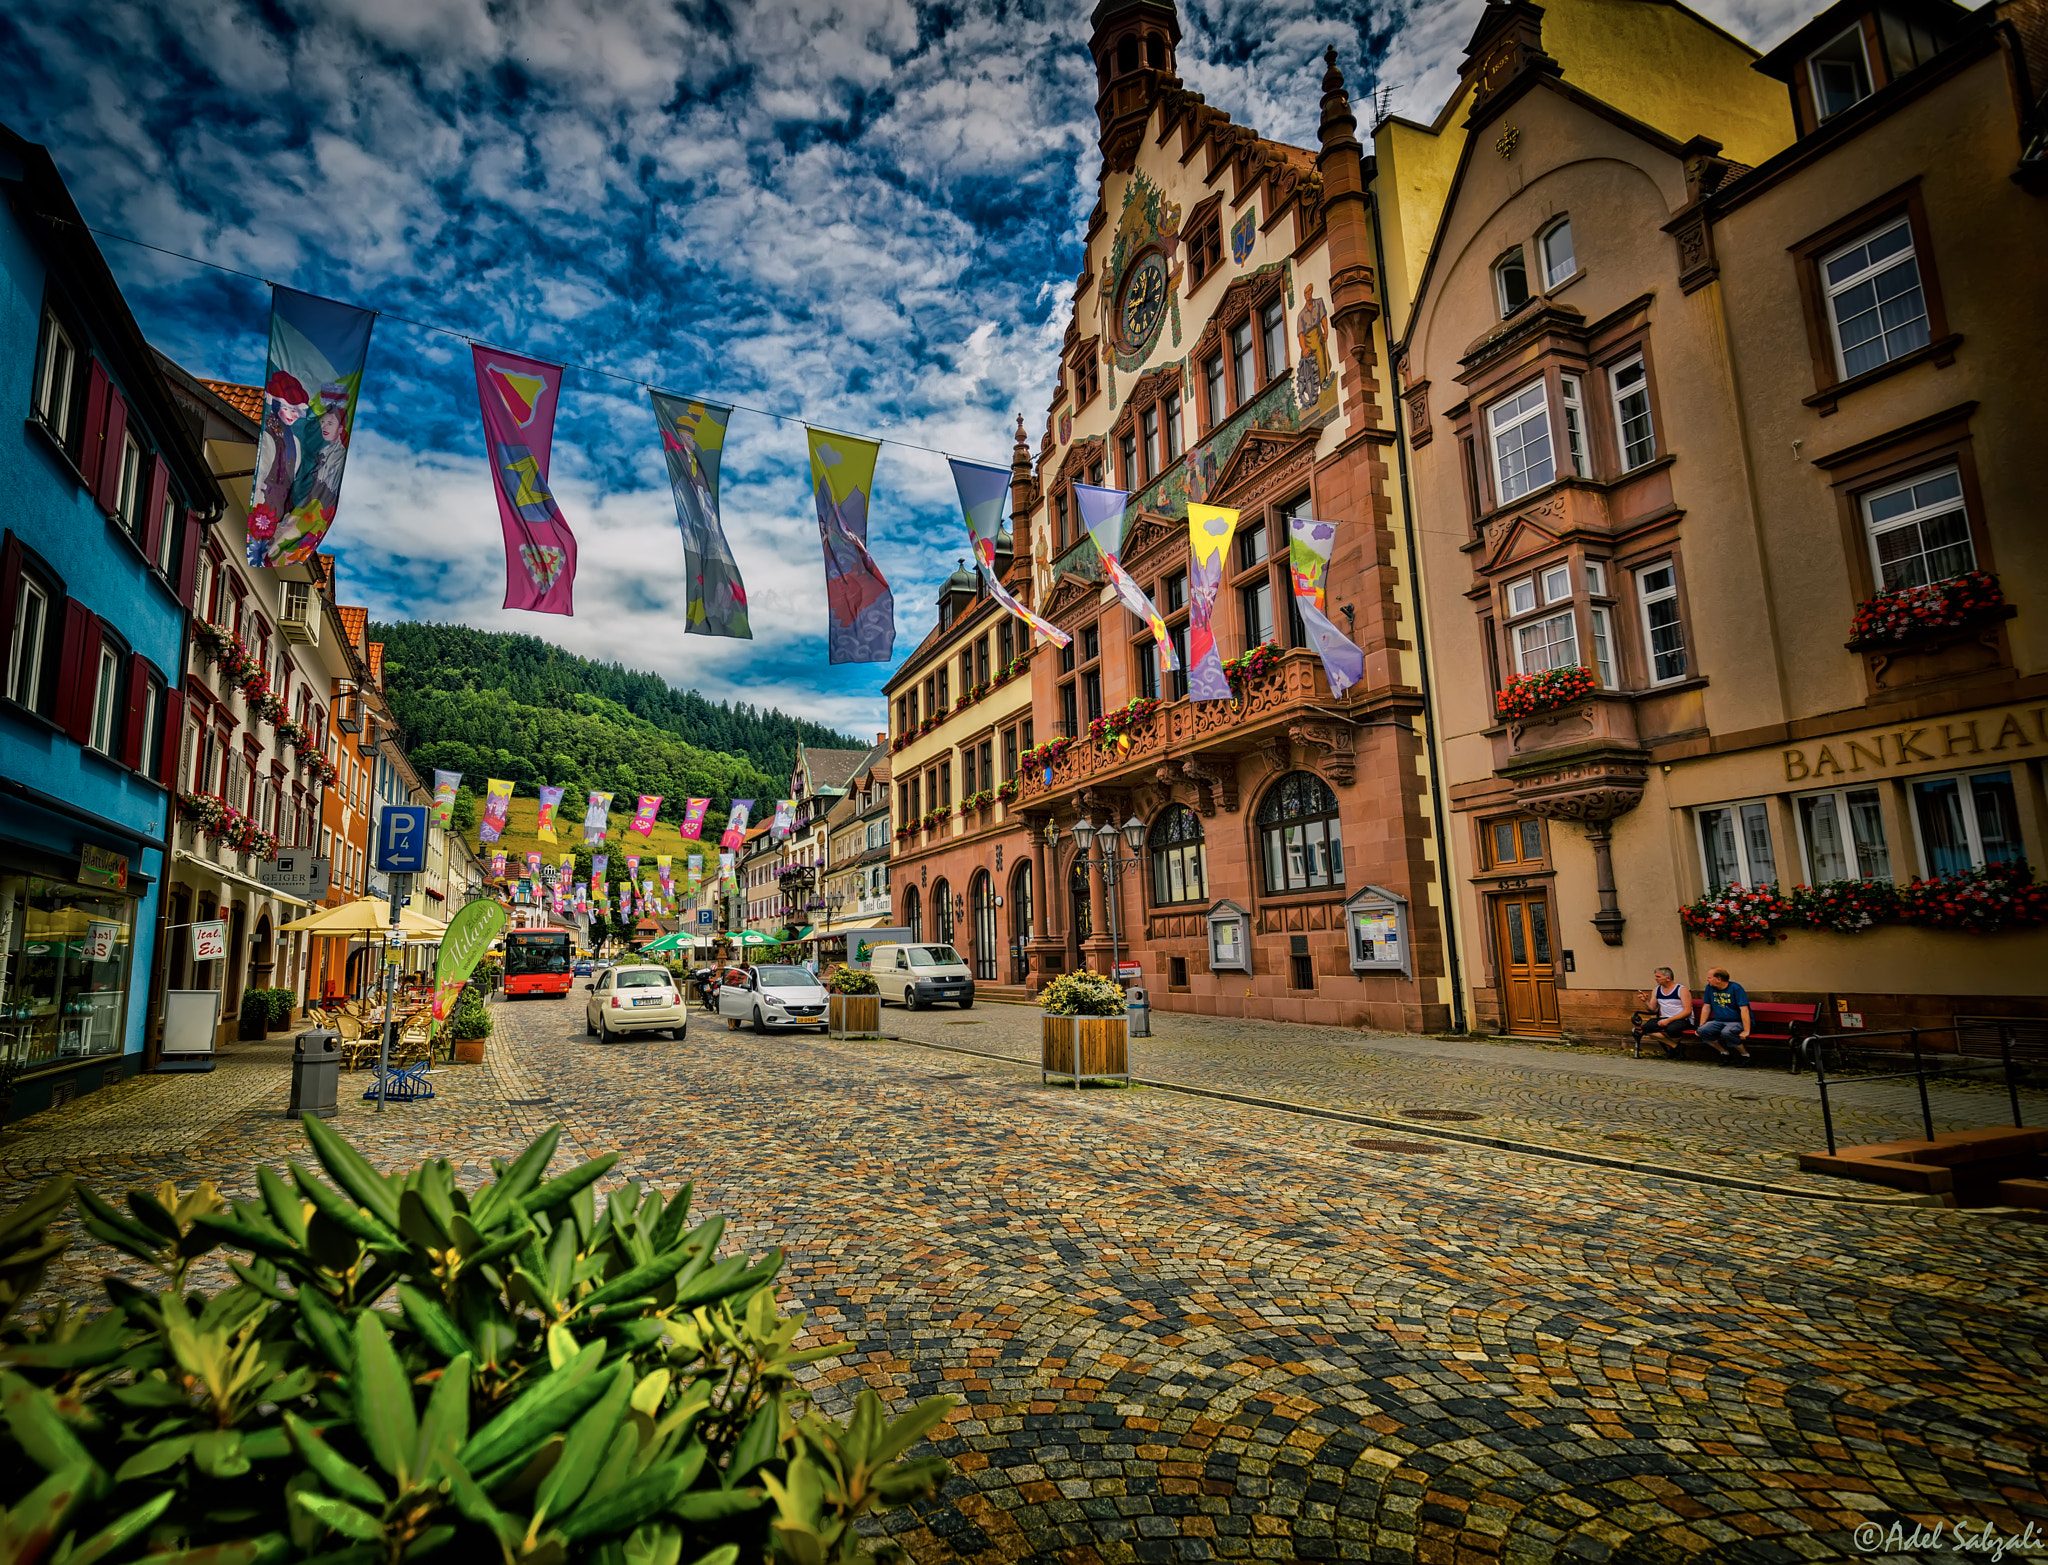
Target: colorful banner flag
{"x": 463, "y": 943}
{"x": 692, "y": 437}
{"x": 550, "y": 801}
{"x": 497, "y": 866}
{"x": 633, "y": 866}
{"x": 533, "y": 865}
{"x": 1309, "y": 543}
{"x": 595, "y": 817}
{"x": 1102, "y": 513}
{"x": 860, "y": 622}
{"x": 497, "y": 806}
{"x": 693, "y": 817}
{"x": 644, "y": 815}
{"x": 785, "y": 819}
{"x": 736, "y": 824}
{"x": 724, "y": 867}
{"x": 568, "y": 864}
{"x": 517, "y": 397}
{"x": 696, "y": 873}
{"x": 310, "y": 385}
{"x": 1209, "y": 530}
{"x": 982, "y": 493}
{"x": 664, "y": 866}
{"x": 597, "y": 869}
{"x": 446, "y": 785}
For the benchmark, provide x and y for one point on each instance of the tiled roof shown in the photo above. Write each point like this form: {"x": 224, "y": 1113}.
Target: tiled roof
{"x": 831, "y": 768}
{"x": 354, "y": 622}
{"x": 323, "y": 570}
{"x": 377, "y": 663}
{"x": 245, "y": 400}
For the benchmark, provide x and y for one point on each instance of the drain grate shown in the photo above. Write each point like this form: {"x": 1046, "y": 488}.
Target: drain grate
{"x": 1414, "y": 1148}
{"x": 1748, "y": 1097}
{"x": 952, "y": 1076}
{"x": 1616, "y": 1135}
{"x": 527, "y": 1103}
{"x": 1440, "y": 1114}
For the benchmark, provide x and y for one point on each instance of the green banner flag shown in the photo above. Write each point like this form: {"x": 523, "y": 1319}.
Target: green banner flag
{"x": 463, "y": 944}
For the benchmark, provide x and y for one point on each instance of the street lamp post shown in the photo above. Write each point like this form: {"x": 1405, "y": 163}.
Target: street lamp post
{"x": 1114, "y": 867}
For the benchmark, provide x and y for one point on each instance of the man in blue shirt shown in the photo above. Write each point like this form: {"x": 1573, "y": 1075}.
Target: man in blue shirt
{"x": 1727, "y": 1004}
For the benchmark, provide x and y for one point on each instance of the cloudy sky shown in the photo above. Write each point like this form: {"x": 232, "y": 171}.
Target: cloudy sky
{"x": 862, "y": 213}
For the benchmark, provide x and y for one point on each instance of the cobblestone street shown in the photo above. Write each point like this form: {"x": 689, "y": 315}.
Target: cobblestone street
{"x": 1186, "y": 1327}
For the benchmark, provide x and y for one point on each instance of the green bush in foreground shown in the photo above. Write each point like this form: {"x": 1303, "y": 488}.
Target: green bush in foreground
{"x": 1082, "y": 994}
{"x": 403, "y": 1369}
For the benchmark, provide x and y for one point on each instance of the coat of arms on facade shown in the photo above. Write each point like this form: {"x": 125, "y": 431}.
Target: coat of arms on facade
{"x": 1243, "y": 233}
{"x": 1066, "y": 427}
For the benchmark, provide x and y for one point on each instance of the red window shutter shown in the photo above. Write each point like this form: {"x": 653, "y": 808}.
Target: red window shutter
{"x": 174, "y": 736}
{"x": 188, "y": 561}
{"x": 97, "y": 388}
{"x": 10, "y": 597}
{"x": 108, "y": 478}
{"x": 152, "y": 530}
{"x": 78, "y": 670}
{"x": 133, "y": 737}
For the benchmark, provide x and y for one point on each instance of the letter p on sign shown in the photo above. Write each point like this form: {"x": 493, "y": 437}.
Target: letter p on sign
{"x": 402, "y": 839}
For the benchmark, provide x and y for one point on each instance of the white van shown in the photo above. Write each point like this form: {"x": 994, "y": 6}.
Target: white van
{"x": 919, "y": 974}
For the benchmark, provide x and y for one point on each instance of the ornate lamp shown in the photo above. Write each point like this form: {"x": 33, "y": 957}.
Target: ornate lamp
{"x": 1134, "y": 833}
{"x": 1084, "y": 831}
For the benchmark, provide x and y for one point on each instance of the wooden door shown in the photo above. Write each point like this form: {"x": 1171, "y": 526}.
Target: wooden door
{"x": 1528, "y": 976}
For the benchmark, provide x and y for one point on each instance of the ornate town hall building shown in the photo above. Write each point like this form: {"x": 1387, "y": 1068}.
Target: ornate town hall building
{"x": 1269, "y": 855}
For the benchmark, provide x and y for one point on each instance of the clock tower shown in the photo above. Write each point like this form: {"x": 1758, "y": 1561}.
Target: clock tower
{"x": 1133, "y": 42}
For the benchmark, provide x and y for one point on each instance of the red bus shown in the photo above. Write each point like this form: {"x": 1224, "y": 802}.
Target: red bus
{"x": 538, "y": 961}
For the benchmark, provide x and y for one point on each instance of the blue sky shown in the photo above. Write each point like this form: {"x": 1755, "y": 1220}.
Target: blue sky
{"x": 865, "y": 213}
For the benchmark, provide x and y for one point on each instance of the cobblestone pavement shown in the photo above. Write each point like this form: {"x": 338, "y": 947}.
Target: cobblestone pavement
{"x": 1184, "y": 1328}
{"x": 1748, "y": 1122}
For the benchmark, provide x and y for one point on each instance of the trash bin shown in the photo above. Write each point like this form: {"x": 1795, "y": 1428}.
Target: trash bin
{"x": 316, "y": 1074}
{"x": 1138, "y": 1013}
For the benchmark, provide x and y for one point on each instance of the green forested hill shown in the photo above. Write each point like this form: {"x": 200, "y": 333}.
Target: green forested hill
{"x": 489, "y": 704}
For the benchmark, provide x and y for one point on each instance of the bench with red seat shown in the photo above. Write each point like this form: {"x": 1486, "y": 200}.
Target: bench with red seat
{"x": 1771, "y": 1023}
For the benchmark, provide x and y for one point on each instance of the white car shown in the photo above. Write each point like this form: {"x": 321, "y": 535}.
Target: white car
{"x": 773, "y": 996}
{"x": 635, "y": 999}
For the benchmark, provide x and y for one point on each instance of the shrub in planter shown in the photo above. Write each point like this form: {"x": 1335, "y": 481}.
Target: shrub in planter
{"x": 281, "y": 1002}
{"x": 1082, "y": 994}
{"x": 851, "y": 980}
{"x": 472, "y": 1018}
{"x": 254, "y": 1019}
{"x": 550, "y": 1382}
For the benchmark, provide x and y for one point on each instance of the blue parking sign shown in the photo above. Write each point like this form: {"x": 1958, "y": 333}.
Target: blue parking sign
{"x": 402, "y": 839}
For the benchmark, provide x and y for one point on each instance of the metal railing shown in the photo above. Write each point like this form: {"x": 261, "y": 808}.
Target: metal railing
{"x": 1947, "y": 1062}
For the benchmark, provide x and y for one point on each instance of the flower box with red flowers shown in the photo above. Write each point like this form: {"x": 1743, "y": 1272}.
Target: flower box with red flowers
{"x": 221, "y": 821}
{"x": 1250, "y": 665}
{"x": 1107, "y": 729}
{"x": 983, "y": 800}
{"x": 1041, "y": 756}
{"x": 1742, "y": 915}
{"x": 1985, "y": 900}
{"x": 1008, "y": 791}
{"x": 1844, "y": 907}
{"x": 1017, "y": 665}
{"x": 1895, "y": 618}
{"x": 1531, "y": 695}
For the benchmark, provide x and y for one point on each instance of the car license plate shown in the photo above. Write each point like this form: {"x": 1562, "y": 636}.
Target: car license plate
{"x": 651, "y": 1000}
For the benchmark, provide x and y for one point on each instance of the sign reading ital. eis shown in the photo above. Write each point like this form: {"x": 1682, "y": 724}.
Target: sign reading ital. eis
{"x": 1963, "y": 740}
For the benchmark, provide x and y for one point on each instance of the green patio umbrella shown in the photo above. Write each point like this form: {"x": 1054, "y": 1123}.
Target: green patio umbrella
{"x": 750, "y": 937}
{"x": 668, "y": 942}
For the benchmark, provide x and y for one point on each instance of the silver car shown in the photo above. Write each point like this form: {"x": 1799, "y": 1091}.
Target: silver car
{"x": 635, "y": 999}
{"x": 773, "y": 996}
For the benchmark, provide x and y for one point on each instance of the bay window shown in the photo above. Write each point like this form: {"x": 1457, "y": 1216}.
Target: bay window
{"x": 1735, "y": 845}
{"x": 1841, "y": 835}
{"x": 1663, "y": 631}
{"x": 1518, "y": 428}
{"x": 1547, "y": 643}
{"x": 1629, "y": 385}
{"x": 1574, "y": 424}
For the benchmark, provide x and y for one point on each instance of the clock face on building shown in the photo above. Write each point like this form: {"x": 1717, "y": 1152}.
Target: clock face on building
{"x": 1144, "y": 300}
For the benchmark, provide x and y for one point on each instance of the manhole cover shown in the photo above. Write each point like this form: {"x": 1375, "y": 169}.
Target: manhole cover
{"x": 527, "y": 1103}
{"x": 1618, "y": 1136}
{"x": 952, "y": 1076}
{"x": 1440, "y": 1114}
{"x": 1748, "y": 1097}
{"x": 1418, "y": 1148}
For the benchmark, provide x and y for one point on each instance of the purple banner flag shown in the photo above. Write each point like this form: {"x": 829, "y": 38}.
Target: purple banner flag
{"x": 1209, "y": 530}
{"x": 1102, "y": 513}
{"x": 1309, "y": 543}
{"x": 860, "y": 624}
{"x": 517, "y": 397}
{"x": 736, "y": 824}
{"x": 982, "y": 492}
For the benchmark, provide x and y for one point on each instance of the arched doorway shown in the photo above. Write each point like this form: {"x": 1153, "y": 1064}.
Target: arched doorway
{"x": 238, "y": 953}
{"x": 942, "y": 913}
{"x": 981, "y": 904}
{"x": 913, "y": 915}
{"x": 1080, "y": 921}
{"x": 262, "y": 958}
{"x": 1020, "y": 922}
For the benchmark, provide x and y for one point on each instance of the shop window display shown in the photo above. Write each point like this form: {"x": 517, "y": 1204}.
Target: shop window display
{"x": 64, "y": 992}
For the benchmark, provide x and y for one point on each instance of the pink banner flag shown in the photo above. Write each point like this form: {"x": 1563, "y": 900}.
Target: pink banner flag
{"x": 643, "y": 817}
{"x": 517, "y": 397}
{"x": 693, "y": 817}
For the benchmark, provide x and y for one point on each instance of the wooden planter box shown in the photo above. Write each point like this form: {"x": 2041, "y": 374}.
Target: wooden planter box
{"x": 1102, "y": 1044}
{"x": 469, "y": 1051}
{"x": 853, "y": 1015}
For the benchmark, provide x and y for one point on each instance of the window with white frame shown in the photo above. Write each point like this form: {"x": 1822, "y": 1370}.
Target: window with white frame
{"x": 1558, "y": 260}
{"x": 1967, "y": 821}
{"x": 165, "y": 534}
{"x": 1629, "y": 386}
{"x": 1603, "y": 647}
{"x": 1735, "y": 845}
{"x": 1876, "y": 308}
{"x": 1841, "y": 835}
{"x": 1574, "y": 423}
{"x": 1596, "y": 578}
{"x": 1547, "y": 643}
{"x": 1511, "y": 282}
{"x": 105, "y": 700}
{"x": 31, "y": 635}
{"x": 1519, "y": 427}
{"x": 1919, "y": 531}
{"x": 128, "y": 493}
{"x": 150, "y": 761}
{"x": 1840, "y": 73}
{"x": 1663, "y": 630}
{"x": 56, "y": 371}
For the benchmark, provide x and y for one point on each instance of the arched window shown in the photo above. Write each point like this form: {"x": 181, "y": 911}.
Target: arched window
{"x": 1127, "y": 55}
{"x": 1300, "y": 838}
{"x": 1082, "y": 922}
{"x": 1177, "y": 868}
{"x": 1155, "y": 51}
{"x": 1020, "y": 919}
{"x": 1511, "y": 282}
{"x": 942, "y": 914}
{"x": 913, "y": 915}
{"x": 981, "y": 899}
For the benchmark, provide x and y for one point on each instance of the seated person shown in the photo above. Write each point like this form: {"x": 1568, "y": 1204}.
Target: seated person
{"x": 1670, "y": 1013}
{"x": 1728, "y": 1018}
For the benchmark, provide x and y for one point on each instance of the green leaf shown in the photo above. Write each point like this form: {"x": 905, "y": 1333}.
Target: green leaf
{"x": 105, "y": 1338}
{"x": 713, "y": 1505}
{"x": 109, "y": 1224}
{"x": 352, "y": 1171}
{"x": 116, "y": 1533}
{"x": 588, "y": 1442}
{"x": 45, "y": 1204}
{"x": 758, "y": 1443}
{"x": 537, "y": 1412}
{"x": 151, "y": 1393}
{"x": 241, "y": 1551}
{"x": 673, "y": 1216}
{"x": 500, "y": 1247}
{"x": 285, "y": 1209}
{"x": 150, "y": 1213}
{"x": 906, "y": 1431}
{"x": 491, "y": 1204}
{"x": 154, "y": 1458}
{"x": 417, "y": 1223}
{"x": 382, "y": 1400}
{"x": 267, "y": 1445}
{"x": 40, "y": 1430}
{"x": 335, "y": 1470}
{"x": 724, "y": 1554}
{"x": 446, "y": 1425}
{"x": 654, "y": 1543}
{"x": 344, "y": 1518}
{"x": 564, "y": 1187}
{"x": 643, "y": 1278}
{"x": 328, "y": 1328}
{"x": 218, "y": 1453}
{"x": 626, "y": 1507}
{"x": 719, "y": 1283}
{"x": 344, "y": 1213}
{"x": 31, "y": 1526}
{"x": 433, "y": 1322}
{"x": 471, "y": 1501}
{"x": 427, "y": 1542}
{"x": 248, "y": 1236}
{"x": 259, "y": 1275}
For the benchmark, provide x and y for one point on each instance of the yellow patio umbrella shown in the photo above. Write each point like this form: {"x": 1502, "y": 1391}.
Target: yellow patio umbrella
{"x": 365, "y": 918}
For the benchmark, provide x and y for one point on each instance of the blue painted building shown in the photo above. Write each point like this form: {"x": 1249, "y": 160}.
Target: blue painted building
{"x": 108, "y": 492}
